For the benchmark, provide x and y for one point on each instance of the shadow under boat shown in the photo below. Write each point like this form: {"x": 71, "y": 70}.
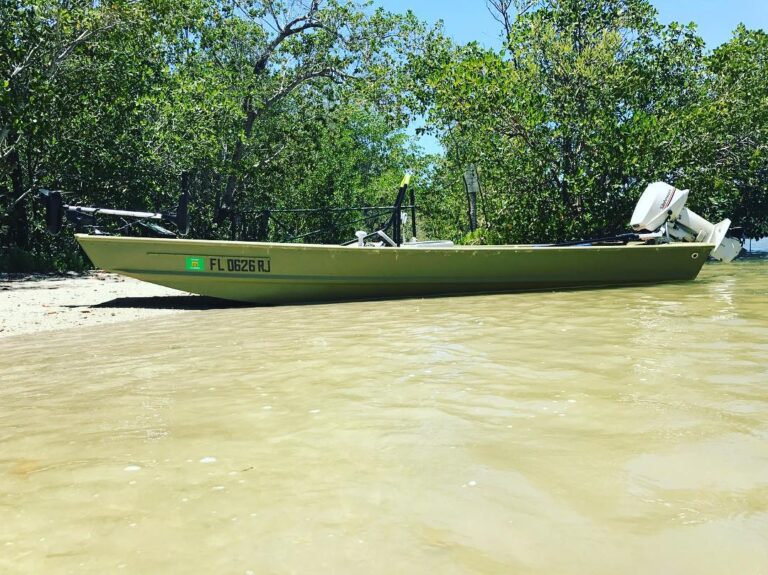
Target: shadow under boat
{"x": 179, "y": 302}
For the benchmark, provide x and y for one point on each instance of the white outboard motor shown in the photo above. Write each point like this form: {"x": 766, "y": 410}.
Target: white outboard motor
{"x": 664, "y": 205}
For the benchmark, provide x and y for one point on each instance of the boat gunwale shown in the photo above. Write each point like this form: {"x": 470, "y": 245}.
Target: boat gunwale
{"x": 404, "y": 247}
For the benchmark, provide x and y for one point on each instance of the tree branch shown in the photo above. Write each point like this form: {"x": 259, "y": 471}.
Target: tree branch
{"x": 295, "y": 26}
{"x": 18, "y": 200}
{"x": 295, "y": 83}
{"x": 268, "y": 159}
{"x": 83, "y": 37}
{"x": 11, "y": 147}
{"x": 500, "y": 11}
{"x": 21, "y": 67}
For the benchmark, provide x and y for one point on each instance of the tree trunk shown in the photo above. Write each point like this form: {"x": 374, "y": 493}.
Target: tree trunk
{"x": 18, "y": 226}
{"x": 297, "y": 25}
{"x": 224, "y": 206}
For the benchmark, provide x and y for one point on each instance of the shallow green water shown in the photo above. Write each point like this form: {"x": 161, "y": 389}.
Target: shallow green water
{"x": 613, "y": 431}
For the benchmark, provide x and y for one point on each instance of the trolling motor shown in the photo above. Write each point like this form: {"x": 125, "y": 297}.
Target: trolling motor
{"x": 55, "y": 209}
{"x": 661, "y": 210}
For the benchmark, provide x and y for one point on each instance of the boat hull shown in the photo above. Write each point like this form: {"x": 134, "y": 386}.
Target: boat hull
{"x": 272, "y": 273}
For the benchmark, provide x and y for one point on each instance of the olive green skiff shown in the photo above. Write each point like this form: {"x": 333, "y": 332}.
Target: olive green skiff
{"x": 272, "y": 273}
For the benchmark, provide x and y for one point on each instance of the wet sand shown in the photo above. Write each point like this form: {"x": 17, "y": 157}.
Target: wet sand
{"x": 39, "y": 303}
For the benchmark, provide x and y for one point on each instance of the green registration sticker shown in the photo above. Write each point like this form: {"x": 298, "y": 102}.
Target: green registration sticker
{"x": 195, "y": 264}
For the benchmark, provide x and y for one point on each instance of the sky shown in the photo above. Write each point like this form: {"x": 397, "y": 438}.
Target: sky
{"x": 467, "y": 20}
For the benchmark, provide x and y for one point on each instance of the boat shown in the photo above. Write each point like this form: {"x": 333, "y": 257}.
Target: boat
{"x": 675, "y": 246}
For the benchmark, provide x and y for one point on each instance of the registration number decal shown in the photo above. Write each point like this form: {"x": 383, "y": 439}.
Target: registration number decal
{"x": 229, "y": 265}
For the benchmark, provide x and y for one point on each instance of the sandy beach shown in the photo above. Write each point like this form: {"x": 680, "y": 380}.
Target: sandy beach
{"x": 38, "y": 303}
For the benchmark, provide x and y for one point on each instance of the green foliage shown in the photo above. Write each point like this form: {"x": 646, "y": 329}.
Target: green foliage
{"x": 726, "y": 134}
{"x": 272, "y": 105}
{"x": 265, "y": 104}
{"x": 590, "y": 101}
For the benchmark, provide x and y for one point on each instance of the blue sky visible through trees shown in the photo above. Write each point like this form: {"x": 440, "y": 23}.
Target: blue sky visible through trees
{"x": 470, "y": 20}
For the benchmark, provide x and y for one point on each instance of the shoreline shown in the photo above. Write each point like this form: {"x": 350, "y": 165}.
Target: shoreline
{"x": 37, "y": 303}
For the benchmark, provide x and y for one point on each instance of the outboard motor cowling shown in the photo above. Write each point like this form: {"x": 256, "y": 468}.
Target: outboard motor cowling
{"x": 663, "y": 206}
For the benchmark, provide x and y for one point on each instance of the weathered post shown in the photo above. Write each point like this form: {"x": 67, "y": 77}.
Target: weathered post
{"x": 472, "y": 187}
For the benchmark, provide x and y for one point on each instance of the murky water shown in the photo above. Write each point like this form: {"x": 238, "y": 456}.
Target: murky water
{"x": 616, "y": 431}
